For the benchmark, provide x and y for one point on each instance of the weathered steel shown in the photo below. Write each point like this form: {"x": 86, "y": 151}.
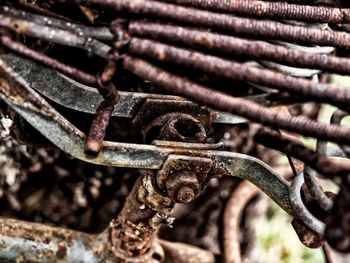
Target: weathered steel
{"x": 68, "y": 138}
{"x": 299, "y": 207}
{"x": 29, "y": 242}
{"x": 74, "y": 95}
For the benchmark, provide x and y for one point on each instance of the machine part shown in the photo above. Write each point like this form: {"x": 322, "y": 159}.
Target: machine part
{"x": 133, "y": 233}
{"x": 71, "y": 140}
{"x": 76, "y": 96}
{"x": 299, "y": 207}
{"x": 178, "y": 127}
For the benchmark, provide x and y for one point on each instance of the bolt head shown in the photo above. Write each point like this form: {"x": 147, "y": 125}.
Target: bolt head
{"x": 185, "y": 195}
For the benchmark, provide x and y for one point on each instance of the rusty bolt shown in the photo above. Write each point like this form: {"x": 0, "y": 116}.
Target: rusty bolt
{"x": 183, "y": 187}
{"x": 185, "y": 194}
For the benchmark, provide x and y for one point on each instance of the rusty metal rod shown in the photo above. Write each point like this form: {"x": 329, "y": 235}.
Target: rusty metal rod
{"x": 238, "y": 106}
{"x": 70, "y": 71}
{"x": 102, "y": 33}
{"x": 232, "y": 218}
{"x": 98, "y": 129}
{"x": 208, "y": 41}
{"x": 229, "y": 23}
{"x": 229, "y": 69}
{"x": 274, "y": 10}
{"x": 55, "y": 35}
{"x": 133, "y": 233}
{"x": 318, "y": 162}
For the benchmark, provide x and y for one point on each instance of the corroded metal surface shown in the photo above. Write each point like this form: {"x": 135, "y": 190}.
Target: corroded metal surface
{"x": 74, "y": 95}
{"x": 28, "y": 242}
{"x": 71, "y": 140}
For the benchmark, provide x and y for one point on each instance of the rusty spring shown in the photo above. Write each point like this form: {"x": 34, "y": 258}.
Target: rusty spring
{"x": 217, "y": 38}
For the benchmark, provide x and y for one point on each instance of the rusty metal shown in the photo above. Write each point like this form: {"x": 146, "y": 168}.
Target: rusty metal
{"x": 102, "y": 33}
{"x": 180, "y": 172}
{"x": 98, "y": 129}
{"x": 177, "y": 252}
{"x": 71, "y": 140}
{"x": 275, "y": 10}
{"x": 150, "y": 113}
{"x": 56, "y": 35}
{"x": 18, "y": 48}
{"x": 232, "y": 70}
{"x": 320, "y": 163}
{"x": 232, "y": 216}
{"x": 187, "y": 160}
{"x": 76, "y": 96}
{"x": 315, "y": 190}
{"x": 308, "y": 237}
{"x": 177, "y": 127}
{"x": 22, "y": 241}
{"x": 29, "y": 242}
{"x": 233, "y": 46}
{"x": 299, "y": 207}
{"x": 249, "y": 110}
{"x": 337, "y": 118}
{"x": 228, "y": 23}
{"x": 337, "y": 230}
{"x": 133, "y": 233}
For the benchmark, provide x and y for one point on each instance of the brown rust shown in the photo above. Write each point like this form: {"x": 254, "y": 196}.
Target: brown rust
{"x": 16, "y": 89}
{"x": 70, "y": 71}
{"x": 232, "y": 216}
{"x": 274, "y": 10}
{"x": 98, "y": 129}
{"x": 183, "y": 187}
{"x": 177, "y": 127}
{"x": 233, "y": 46}
{"x": 306, "y": 236}
{"x": 338, "y": 227}
{"x": 177, "y": 252}
{"x": 318, "y": 162}
{"x": 152, "y": 109}
{"x": 178, "y": 171}
{"x": 229, "y": 23}
{"x": 133, "y": 233}
{"x": 232, "y": 70}
{"x": 252, "y": 111}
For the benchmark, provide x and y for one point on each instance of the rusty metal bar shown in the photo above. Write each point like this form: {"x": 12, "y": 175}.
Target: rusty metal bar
{"x": 274, "y": 10}
{"x": 228, "y": 23}
{"x": 55, "y": 35}
{"x": 102, "y": 33}
{"x": 68, "y": 138}
{"x": 183, "y": 87}
{"x": 237, "y": 71}
{"x": 29, "y": 242}
{"x": 233, "y": 46}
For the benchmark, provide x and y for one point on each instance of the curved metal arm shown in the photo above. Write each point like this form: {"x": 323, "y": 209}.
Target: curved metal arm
{"x": 71, "y": 140}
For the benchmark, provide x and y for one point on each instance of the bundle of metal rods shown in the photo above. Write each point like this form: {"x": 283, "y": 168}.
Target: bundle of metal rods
{"x": 210, "y": 37}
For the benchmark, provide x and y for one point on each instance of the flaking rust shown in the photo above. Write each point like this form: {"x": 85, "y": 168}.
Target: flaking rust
{"x": 185, "y": 166}
{"x": 14, "y": 88}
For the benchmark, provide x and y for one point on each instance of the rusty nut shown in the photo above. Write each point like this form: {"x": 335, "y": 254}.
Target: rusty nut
{"x": 183, "y": 187}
